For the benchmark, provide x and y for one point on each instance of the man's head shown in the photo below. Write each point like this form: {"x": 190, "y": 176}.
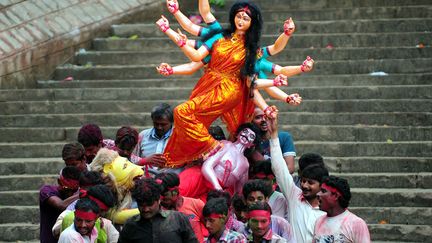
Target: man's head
{"x": 262, "y": 170}
{"x": 73, "y": 154}
{"x": 90, "y": 136}
{"x": 219, "y": 194}
{"x": 335, "y": 193}
{"x": 126, "y": 140}
{"x": 147, "y": 194}
{"x": 260, "y": 120}
{"x": 311, "y": 179}
{"x": 170, "y": 191}
{"x": 256, "y": 191}
{"x": 215, "y": 214}
{"x": 259, "y": 215}
{"x": 101, "y": 195}
{"x": 68, "y": 181}
{"x": 162, "y": 116}
{"x": 240, "y": 207}
{"x": 86, "y": 214}
{"x": 90, "y": 178}
{"x": 309, "y": 159}
{"x": 217, "y": 132}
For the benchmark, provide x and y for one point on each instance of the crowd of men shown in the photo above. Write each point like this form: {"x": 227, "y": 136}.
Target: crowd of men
{"x": 131, "y": 197}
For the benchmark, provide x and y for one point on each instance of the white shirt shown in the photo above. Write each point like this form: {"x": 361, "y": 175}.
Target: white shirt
{"x": 70, "y": 235}
{"x": 278, "y": 204}
{"x": 302, "y": 215}
{"x": 343, "y": 228}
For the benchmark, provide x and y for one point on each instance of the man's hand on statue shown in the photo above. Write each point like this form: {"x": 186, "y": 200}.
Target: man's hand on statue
{"x": 172, "y": 6}
{"x": 289, "y": 27}
{"x": 271, "y": 111}
{"x": 280, "y": 80}
{"x": 307, "y": 64}
{"x": 157, "y": 160}
{"x": 294, "y": 99}
{"x": 181, "y": 39}
{"x": 163, "y": 24}
{"x": 165, "y": 69}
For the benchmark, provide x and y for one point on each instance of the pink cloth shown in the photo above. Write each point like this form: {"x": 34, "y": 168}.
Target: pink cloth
{"x": 192, "y": 208}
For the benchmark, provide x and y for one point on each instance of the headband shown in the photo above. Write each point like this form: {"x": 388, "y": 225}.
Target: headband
{"x": 85, "y": 215}
{"x": 245, "y": 9}
{"x": 216, "y": 215}
{"x": 70, "y": 183}
{"x": 331, "y": 189}
{"x": 102, "y": 205}
{"x": 259, "y": 213}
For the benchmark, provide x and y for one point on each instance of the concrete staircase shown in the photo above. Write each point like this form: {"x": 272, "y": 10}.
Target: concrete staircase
{"x": 374, "y": 130}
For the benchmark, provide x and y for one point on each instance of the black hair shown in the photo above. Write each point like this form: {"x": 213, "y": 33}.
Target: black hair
{"x": 342, "y": 186}
{"x": 85, "y": 204}
{"x": 252, "y": 37}
{"x": 217, "y": 133}
{"x": 252, "y": 127}
{"x": 90, "y": 135}
{"x": 310, "y": 159}
{"x": 215, "y": 205}
{"x": 90, "y": 178}
{"x": 168, "y": 180}
{"x": 162, "y": 110}
{"x": 219, "y": 194}
{"x": 126, "y": 138}
{"x": 73, "y": 151}
{"x": 315, "y": 172}
{"x": 238, "y": 203}
{"x": 103, "y": 193}
{"x": 146, "y": 191}
{"x": 257, "y": 185}
{"x": 263, "y": 166}
{"x": 259, "y": 206}
{"x": 71, "y": 172}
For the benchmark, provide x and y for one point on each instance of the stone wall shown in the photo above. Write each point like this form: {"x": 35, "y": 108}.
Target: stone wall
{"x": 38, "y": 35}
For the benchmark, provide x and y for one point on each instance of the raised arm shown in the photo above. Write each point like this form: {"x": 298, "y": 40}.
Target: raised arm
{"x": 190, "y": 52}
{"x": 183, "y": 69}
{"x": 205, "y": 11}
{"x": 280, "y": 80}
{"x": 185, "y": 23}
{"x": 164, "y": 26}
{"x": 290, "y": 71}
{"x": 282, "y": 40}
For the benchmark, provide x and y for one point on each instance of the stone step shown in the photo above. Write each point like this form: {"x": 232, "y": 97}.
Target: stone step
{"x": 360, "y": 133}
{"x": 19, "y": 214}
{"x": 339, "y": 149}
{"x": 417, "y": 65}
{"x": 385, "y": 12}
{"x": 19, "y": 232}
{"x": 143, "y": 119}
{"x": 394, "y": 215}
{"x": 388, "y": 180}
{"x": 324, "y": 4}
{"x": 378, "y": 164}
{"x": 98, "y": 106}
{"x": 356, "y": 180}
{"x": 361, "y": 197}
{"x": 134, "y": 93}
{"x": 316, "y": 40}
{"x": 400, "y": 232}
{"x": 296, "y": 81}
{"x": 321, "y": 54}
{"x": 303, "y": 26}
{"x": 31, "y": 166}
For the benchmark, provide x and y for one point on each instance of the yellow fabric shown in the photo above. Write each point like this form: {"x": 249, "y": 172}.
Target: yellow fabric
{"x": 219, "y": 92}
{"x": 120, "y": 217}
{"x": 124, "y": 171}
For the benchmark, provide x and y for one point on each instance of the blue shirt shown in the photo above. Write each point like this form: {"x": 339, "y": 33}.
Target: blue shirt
{"x": 286, "y": 144}
{"x": 150, "y": 143}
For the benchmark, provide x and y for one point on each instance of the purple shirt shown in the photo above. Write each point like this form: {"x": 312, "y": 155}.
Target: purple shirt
{"x": 48, "y": 214}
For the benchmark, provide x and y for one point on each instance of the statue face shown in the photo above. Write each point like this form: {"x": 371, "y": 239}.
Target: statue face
{"x": 246, "y": 137}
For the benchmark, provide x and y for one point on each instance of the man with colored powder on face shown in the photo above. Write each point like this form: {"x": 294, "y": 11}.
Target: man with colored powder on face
{"x": 339, "y": 225}
{"x": 259, "y": 225}
{"x": 82, "y": 230}
{"x": 215, "y": 216}
{"x": 54, "y": 199}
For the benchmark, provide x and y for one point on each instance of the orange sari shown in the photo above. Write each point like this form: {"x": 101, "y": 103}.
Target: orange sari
{"x": 219, "y": 92}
